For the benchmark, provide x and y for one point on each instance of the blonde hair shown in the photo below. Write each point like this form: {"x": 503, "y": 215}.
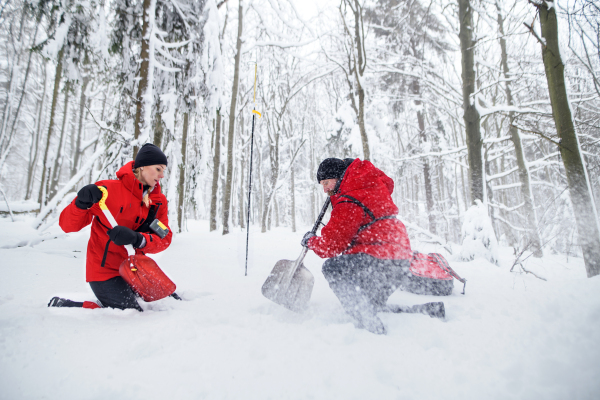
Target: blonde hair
{"x": 138, "y": 174}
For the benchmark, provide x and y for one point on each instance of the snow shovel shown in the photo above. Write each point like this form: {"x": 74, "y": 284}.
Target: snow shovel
{"x": 140, "y": 271}
{"x": 290, "y": 284}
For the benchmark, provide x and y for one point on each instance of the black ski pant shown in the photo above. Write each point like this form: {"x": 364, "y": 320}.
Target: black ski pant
{"x": 363, "y": 282}
{"x": 115, "y": 293}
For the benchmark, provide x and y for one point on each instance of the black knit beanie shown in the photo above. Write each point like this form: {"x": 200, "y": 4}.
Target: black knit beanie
{"x": 149, "y": 154}
{"x": 331, "y": 168}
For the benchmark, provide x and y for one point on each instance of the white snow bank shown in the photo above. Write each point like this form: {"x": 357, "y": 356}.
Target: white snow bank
{"x": 19, "y": 206}
{"x": 512, "y": 336}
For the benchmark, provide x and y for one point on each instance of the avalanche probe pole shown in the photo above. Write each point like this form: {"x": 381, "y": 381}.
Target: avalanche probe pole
{"x": 250, "y": 173}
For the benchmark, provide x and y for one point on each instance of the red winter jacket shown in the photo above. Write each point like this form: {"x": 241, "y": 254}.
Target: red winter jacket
{"x": 384, "y": 239}
{"x": 125, "y": 204}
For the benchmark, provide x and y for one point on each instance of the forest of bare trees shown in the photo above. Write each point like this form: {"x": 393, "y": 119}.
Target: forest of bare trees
{"x": 466, "y": 103}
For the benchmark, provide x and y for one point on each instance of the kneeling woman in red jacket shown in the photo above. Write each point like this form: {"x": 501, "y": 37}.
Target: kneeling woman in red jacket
{"x": 135, "y": 200}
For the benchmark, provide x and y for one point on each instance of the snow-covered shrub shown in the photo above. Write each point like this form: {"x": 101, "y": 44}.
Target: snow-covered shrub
{"x": 478, "y": 237}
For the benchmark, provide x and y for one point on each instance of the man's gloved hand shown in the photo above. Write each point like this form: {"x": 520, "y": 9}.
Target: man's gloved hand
{"x": 121, "y": 236}
{"x": 87, "y": 196}
{"x": 306, "y": 238}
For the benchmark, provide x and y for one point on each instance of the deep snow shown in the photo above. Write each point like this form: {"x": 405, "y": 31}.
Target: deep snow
{"x": 512, "y": 336}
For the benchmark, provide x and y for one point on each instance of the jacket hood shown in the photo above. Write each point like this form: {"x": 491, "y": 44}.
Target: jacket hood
{"x": 125, "y": 175}
{"x": 362, "y": 175}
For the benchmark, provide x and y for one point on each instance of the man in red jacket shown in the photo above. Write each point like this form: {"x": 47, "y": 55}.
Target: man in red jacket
{"x": 369, "y": 246}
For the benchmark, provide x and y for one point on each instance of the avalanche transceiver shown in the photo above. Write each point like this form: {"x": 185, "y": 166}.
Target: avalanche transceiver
{"x": 159, "y": 228}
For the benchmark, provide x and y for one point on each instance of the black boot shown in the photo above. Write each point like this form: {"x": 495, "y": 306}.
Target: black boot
{"x": 60, "y": 302}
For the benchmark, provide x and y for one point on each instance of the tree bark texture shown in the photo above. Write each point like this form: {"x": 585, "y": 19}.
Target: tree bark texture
{"x": 82, "y": 100}
{"x": 181, "y": 187}
{"x": 579, "y": 190}
{"x": 45, "y": 166}
{"x": 37, "y": 138}
{"x": 159, "y": 126}
{"x": 359, "y": 70}
{"x": 274, "y": 161}
{"x": 230, "y": 139}
{"x": 142, "y": 74}
{"x": 529, "y": 208}
{"x": 61, "y": 145}
{"x": 241, "y": 196}
{"x": 471, "y": 115}
{"x": 426, "y": 168}
{"x": 215, "y": 180}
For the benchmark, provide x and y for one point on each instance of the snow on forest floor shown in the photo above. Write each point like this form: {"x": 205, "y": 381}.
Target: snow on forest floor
{"x": 512, "y": 336}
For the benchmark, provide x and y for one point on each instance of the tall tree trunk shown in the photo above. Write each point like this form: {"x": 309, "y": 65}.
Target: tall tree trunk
{"x": 361, "y": 120}
{"x": 313, "y": 195}
{"x": 37, "y": 138}
{"x": 61, "y": 145}
{"x": 82, "y": 100}
{"x": 241, "y": 196}
{"x": 159, "y": 126}
{"x": 471, "y": 115}
{"x": 230, "y": 139}
{"x": 274, "y": 161}
{"x": 426, "y": 168}
{"x": 143, "y": 74}
{"x": 588, "y": 231}
{"x": 42, "y": 195}
{"x": 532, "y": 223}
{"x": 359, "y": 70}
{"x": 215, "y": 180}
{"x": 181, "y": 188}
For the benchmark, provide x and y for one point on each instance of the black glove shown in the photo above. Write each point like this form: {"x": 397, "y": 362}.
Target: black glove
{"x": 306, "y": 238}
{"x": 87, "y": 196}
{"x": 121, "y": 235}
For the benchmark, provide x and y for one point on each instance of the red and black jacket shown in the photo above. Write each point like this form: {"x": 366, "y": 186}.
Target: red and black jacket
{"x": 125, "y": 204}
{"x": 363, "y": 218}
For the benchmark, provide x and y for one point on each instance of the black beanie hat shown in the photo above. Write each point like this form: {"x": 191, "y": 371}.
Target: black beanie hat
{"x": 331, "y": 168}
{"x": 149, "y": 154}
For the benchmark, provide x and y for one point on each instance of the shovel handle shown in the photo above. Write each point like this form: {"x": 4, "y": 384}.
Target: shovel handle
{"x": 110, "y": 218}
{"x": 321, "y": 215}
{"x": 299, "y": 260}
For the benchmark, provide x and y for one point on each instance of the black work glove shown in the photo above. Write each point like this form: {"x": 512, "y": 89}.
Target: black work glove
{"x": 306, "y": 238}
{"x": 87, "y": 196}
{"x": 121, "y": 235}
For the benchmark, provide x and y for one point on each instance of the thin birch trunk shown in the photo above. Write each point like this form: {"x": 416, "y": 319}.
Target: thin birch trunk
{"x": 61, "y": 145}
{"x": 45, "y": 167}
{"x": 82, "y": 100}
{"x": 215, "y": 179}
{"x": 159, "y": 126}
{"x": 181, "y": 188}
{"x": 241, "y": 195}
{"x": 230, "y": 140}
{"x": 36, "y": 139}
{"x": 532, "y": 223}
{"x": 425, "y": 161}
{"x": 143, "y": 74}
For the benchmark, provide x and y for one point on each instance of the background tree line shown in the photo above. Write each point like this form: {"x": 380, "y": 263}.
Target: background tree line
{"x": 469, "y": 103}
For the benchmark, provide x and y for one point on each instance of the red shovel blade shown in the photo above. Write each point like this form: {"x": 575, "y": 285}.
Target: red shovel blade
{"x": 146, "y": 278}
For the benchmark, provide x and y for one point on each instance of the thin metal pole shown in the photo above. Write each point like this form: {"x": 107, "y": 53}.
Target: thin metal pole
{"x": 249, "y": 194}
{"x": 254, "y": 112}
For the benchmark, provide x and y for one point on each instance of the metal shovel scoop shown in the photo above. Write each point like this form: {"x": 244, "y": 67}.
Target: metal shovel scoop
{"x": 290, "y": 284}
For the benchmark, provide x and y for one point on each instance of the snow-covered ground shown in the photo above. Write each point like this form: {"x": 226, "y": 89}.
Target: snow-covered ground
{"x": 512, "y": 336}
